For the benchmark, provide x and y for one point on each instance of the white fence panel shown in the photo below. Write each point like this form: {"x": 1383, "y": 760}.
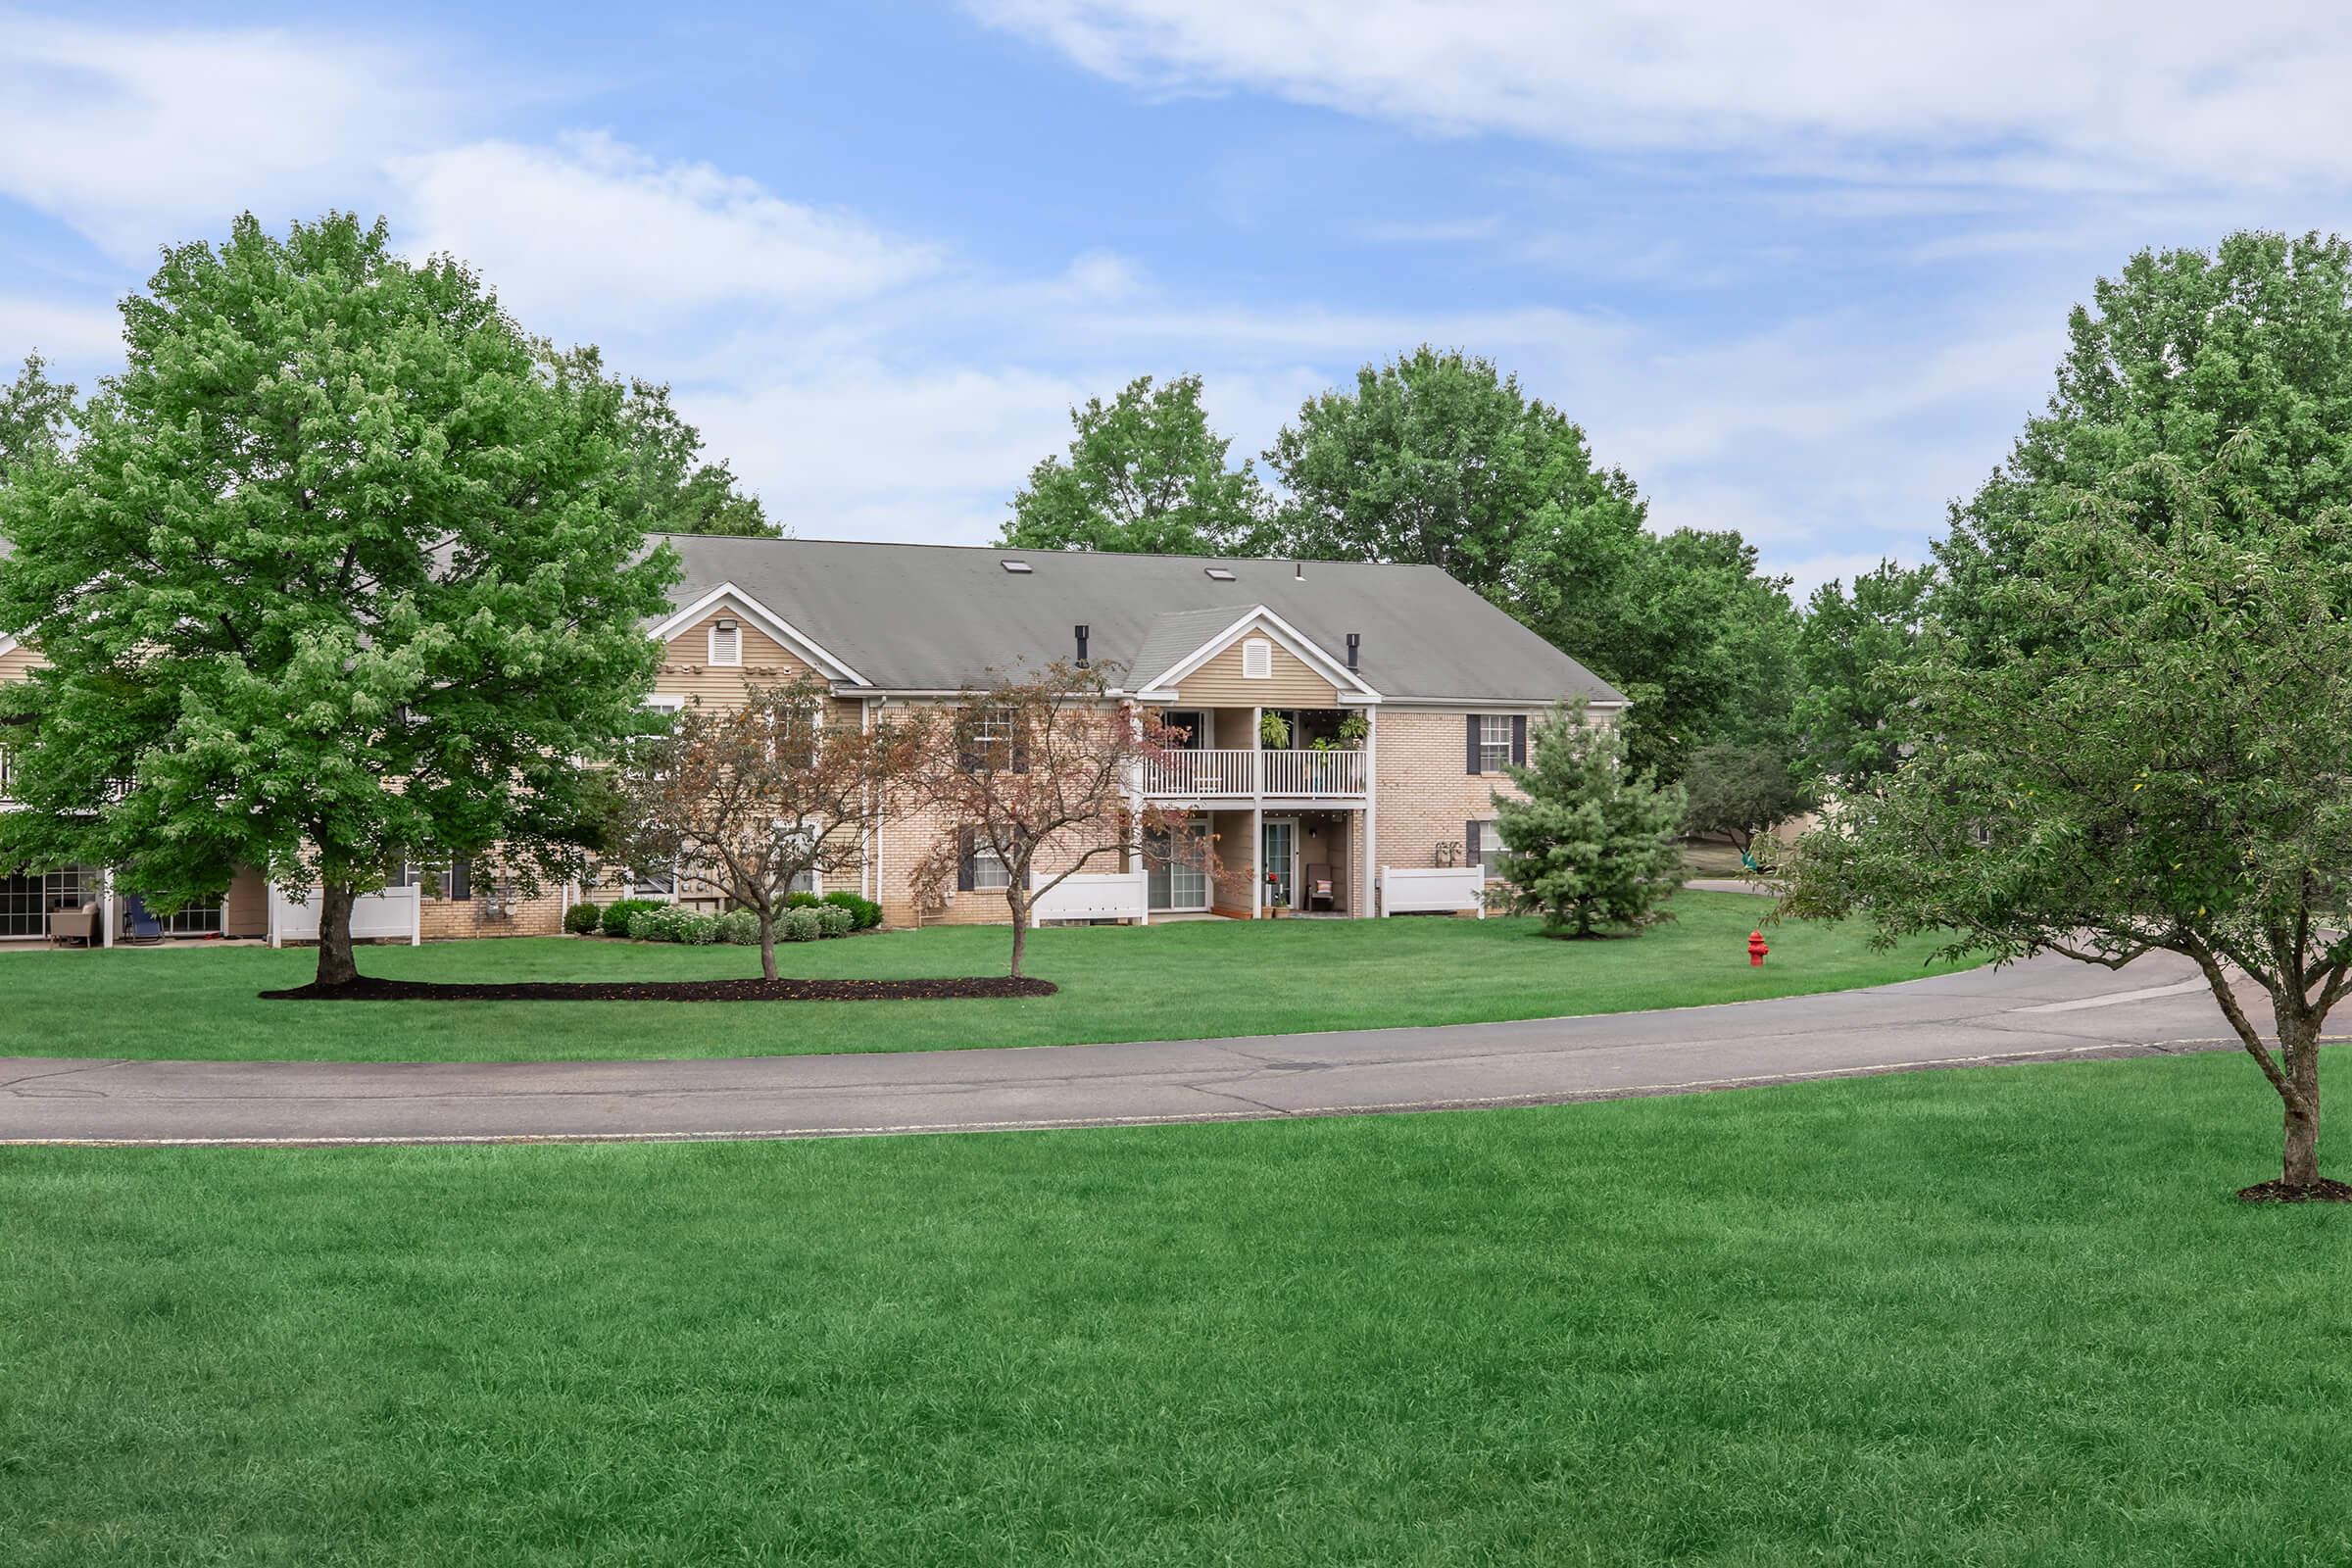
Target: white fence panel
{"x": 1416, "y": 890}
{"x": 391, "y": 915}
{"x": 1095, "y": 896}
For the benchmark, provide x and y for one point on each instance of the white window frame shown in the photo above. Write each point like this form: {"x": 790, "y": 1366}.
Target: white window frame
{"x": 1257, "y": 659}
{"x": 987, "y": 863}
{"x": 733, "y": 625}
{"x": 1489, "y": 848}
{"x": 1493, "y": 755}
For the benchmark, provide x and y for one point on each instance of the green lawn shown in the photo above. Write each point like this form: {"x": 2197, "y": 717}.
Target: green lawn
{"x": 2000, "y": 1316}
{"x": 1118, "y": 983}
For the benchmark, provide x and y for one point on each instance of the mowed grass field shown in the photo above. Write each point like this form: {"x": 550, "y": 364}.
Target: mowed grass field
{"x": 1184, "y": 980}
{"x": 1999, "y": 1316}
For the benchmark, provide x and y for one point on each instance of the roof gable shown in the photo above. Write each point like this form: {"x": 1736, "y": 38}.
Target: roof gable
{"x": 1259, "y": 619}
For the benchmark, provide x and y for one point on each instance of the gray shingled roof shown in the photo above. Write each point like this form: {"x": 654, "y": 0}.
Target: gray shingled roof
{"x": 942, "y": 617}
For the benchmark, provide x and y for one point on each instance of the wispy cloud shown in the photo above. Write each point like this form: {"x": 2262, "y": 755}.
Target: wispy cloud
{"x": 2053, "y": 94}
{"x": 138, "y": 135}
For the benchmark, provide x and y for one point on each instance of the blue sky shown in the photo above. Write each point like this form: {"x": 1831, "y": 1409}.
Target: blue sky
{"x": 1801, "y": 270}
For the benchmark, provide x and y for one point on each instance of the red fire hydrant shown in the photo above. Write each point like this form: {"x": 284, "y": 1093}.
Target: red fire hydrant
{"x": 1756, "y": 949}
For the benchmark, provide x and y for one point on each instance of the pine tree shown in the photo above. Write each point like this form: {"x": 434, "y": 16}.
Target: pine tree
{"x": 1593, "y": 844}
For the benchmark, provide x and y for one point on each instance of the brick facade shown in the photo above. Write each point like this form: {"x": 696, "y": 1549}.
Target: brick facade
{"x": 1425, "y": 790}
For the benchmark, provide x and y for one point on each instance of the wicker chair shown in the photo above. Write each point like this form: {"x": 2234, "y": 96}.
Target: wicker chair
{"x": 69, "y": 922}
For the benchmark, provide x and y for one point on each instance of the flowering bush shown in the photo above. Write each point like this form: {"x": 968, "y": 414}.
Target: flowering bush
{"x": 835, "y": 921}
{"x": 800, "y": 925}
{"x": 669, "y": 923}
{"x": 739, "y": 928}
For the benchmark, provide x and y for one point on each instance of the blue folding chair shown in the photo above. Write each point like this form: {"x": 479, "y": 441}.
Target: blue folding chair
{"x": 140, "y": 928}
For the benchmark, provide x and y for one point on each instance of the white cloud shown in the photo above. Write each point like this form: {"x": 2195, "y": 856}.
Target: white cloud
{"x": 73, "y": 334}
{"x": 2057, "y": 94}
{"x": 591, "y": 233}
{"x": 142, "y": 136}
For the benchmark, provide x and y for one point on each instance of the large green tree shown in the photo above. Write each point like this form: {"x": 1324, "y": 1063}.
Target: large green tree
{"x": 2152, "y": 754}
{"x": 1851, "y": 653}
{"x": 2183, "y": 352}
{"x": 36, "y": 417}
{"x": 334, "y": 577}
{"x": 1439, "y": 457}
{"x": 1145, "y": 474}
{"x": 668, "y": 488}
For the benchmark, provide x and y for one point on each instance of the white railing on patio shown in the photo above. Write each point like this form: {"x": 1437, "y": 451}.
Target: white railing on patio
{"x": 1293, "y": 775}
{"x": 1307, "y": 773}
{"x": 1203, "y": 773}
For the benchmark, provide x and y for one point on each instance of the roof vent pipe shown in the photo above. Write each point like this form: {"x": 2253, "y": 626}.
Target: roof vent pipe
{"x": 1298, "y": 571}
{"x": 1081, "y": 631}
{"x": 1355, "y": 641}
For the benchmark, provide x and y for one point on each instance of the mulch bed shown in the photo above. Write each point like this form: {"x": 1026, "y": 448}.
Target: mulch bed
{"x": 370, "y": 989}
{"x": 2326, "y": 1190}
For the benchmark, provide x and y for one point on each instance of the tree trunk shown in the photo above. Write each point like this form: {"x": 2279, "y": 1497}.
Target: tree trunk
{"x": 336, "y": 966}
{"x": 1020, "y": 930}
{"x": 768, "y": 944}
{"x": 2299, "y": 1044}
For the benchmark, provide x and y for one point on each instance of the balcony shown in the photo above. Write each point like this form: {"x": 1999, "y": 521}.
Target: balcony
{"x": 1294, "y": 774}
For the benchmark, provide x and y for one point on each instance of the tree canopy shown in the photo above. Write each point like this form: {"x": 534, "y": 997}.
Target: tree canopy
{"x": 334, "y": 577}
{"x": 2153, "y": 754}
{"x": 669, "y": 488}
{"x": 1145, "y": 474}
{"x": 1852, "y": 651}
{"x": 36, "y": 415}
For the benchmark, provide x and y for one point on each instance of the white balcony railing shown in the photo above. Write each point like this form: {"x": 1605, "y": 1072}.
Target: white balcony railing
{"x": 1294, "y": 774}
{"x": 1307, "y": 773}
{"x": 1191, "y": 774}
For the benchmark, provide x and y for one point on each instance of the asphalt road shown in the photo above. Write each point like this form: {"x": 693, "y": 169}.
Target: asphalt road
{"x": 2049, "y": 1009}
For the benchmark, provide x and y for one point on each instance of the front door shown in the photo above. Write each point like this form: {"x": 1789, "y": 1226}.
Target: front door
{"x": 1278, "y": 855}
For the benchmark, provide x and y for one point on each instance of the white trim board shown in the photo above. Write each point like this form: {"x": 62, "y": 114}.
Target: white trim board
{"x": 1296, "y": 643}
{"x": 766, "y": 620}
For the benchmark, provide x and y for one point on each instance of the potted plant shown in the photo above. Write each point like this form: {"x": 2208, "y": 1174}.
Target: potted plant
{"x": 1355, "y": 729}
{"x": 1273, "y": 731}
{"x": 1275, "y": 899}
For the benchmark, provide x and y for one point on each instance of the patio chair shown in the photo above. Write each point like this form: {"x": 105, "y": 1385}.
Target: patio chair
{"x": 1320, "y": 886}
{"x": 140, "y": 927}
{"x": 68, "y": 923}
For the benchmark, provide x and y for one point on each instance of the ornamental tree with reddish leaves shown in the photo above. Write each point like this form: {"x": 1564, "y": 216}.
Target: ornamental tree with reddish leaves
{"x": 754, "y": 798}
{"x": 1040, "y": 770}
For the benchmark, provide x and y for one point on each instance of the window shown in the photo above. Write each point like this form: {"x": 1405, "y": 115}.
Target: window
{"x": 1257, "y": 660}
{"x": 1494, "y": 742}
{"x": 988, "y": 870}
{"x": 1482, "y": 846}
{"x": 727, "y": 641}
{"x": 991, "y": 743}
{"x": 1187, "y": 729}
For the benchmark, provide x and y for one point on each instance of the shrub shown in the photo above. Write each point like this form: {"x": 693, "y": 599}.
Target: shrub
{"x": 835, "y": 921}
{"x": 582, "y": 918}
{"x": 801, "y": 901}
{"x": 739, "y": 928}
{"x": 615, "y": 918}
{"x": 667, "y": 923}
{"x": 800, "y": 925}
{"x": 868, "y": 913}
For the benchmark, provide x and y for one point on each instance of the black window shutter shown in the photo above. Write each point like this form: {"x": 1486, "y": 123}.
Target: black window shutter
{"x": 1470, "y": 844}
{"x": 964, "y": 879}
{"x": 460, "y": 878}
{"x": 1519, "y": 740}
{"x": 1020, "y": 756}
{"x": 1470, "y": 763}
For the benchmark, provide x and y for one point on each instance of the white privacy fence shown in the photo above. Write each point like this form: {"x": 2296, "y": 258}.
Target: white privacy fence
{"x": 1095, "y": 896}
{"x": 392, "y": 915}
{"x": 1421, "y": 889}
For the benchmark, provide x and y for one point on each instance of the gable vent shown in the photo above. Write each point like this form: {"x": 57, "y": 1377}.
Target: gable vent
{"x": 1218, "y": 572}
{"x": 727, "y": 641}
{"x": 1020, "y": 568}
{"x": 1257, "y": 660}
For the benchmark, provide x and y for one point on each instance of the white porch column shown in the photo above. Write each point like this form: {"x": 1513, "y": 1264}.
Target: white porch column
{"x": 1371, "y": 807}
{"x": 106, "y": 906}
{"x": 1258, "y": 858}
